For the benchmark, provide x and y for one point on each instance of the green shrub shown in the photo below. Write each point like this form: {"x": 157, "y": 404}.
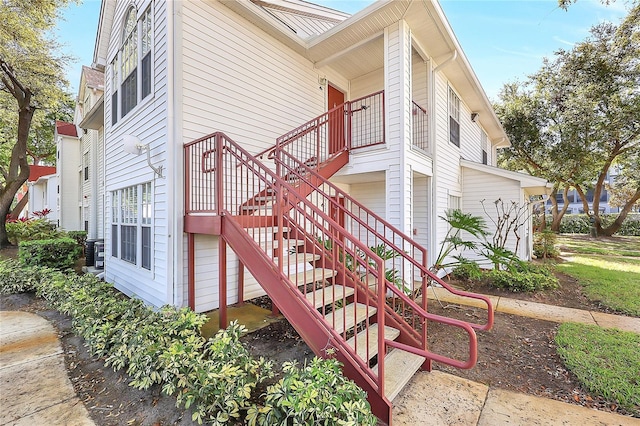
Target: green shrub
{"x": 58, "y": 253}
{"x": 579, "y": 224}
{"x": 16, "y": 279}
{"x": 315, "y": 394}
{"x": 544, "y": 244}
{"x": 80, "y": 237}
{"x": 469, "y": 271}
{"x": 217, "y": 378}
{"x": 32, "y": 229}
{"x": 525, "y": 281}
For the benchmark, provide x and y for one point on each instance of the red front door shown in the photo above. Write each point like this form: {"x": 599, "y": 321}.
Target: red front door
{"x": 336, "y": 120}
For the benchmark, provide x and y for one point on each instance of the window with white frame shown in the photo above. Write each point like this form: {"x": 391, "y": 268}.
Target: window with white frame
{"x": 454, "y": 118}
{"x": 85, "y": 165}
{"x": 131, "y": 224}
{"x": 484, "y": 143}
{"x": 454, "y": 202}
{"x": 131, "y": 68}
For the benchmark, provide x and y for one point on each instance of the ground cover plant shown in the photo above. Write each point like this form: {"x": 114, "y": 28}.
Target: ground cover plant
{"x": 217, "y": 379}
{"x": 606, "y": 361}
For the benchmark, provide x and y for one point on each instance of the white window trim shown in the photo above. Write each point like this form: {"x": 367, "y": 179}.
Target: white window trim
{"x": 115, "y": 79}
{"x": 116, "y": 219}
{"x": 450, "y": 91}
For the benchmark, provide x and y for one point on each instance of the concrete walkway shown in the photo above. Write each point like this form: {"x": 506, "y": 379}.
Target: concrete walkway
{"x": 541, "y": 311}
{"x": 35, "y": 388}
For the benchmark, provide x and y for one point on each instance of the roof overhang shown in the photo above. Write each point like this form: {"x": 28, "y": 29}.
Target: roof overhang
{"x": 355, "y": 47}
{"x": 531, "y": 184}
{"x": 94, "y": 119}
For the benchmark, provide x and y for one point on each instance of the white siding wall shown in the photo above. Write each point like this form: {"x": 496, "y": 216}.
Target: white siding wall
{"x": 480, "y": 186}
{"x": 239, "y": 80}
{"x": 99, "y": 174}
{"x": 147, "y": 121}
{"x": 69, "y": 161}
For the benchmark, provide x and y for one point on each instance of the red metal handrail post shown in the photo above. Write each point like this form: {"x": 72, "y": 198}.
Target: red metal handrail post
{"x": 349, "y": 119}
{"x": 219, "y": 186}
{"x": 382, "y": 350}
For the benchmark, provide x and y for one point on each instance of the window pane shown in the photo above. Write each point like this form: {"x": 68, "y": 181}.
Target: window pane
{"x": 454, "y": 131}
{"x": 128, "y": 246}
{"x": 146, "y": 203}
{"x": 128, "y": 95}
{"x": 146, "y": 247}
{"x": 146, "y": 75}
{"x": 114, "y": 240}
{"x": 114, "y": 107}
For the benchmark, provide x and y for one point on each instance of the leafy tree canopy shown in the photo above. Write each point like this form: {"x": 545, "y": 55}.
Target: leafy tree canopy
{"x": 31, "y": 79}
{"x": 577, "y": 116}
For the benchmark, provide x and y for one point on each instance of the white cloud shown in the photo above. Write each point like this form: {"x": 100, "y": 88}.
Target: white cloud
{"x": 560, "y": 40}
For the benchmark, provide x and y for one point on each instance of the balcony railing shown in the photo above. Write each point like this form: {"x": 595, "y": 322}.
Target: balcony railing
{"x": 420, "y": 127}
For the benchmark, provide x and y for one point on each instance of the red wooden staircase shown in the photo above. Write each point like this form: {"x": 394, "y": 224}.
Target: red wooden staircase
{"x": 317, "y": 254}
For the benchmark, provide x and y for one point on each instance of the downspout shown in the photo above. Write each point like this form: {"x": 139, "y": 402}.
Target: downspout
{"x": 453, "y": 57}
{"x": 173, "y": 283}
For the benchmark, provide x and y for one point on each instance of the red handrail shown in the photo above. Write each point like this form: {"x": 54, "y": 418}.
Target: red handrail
{"x": 237, "y": 176}
{"x": 406, "y": 248}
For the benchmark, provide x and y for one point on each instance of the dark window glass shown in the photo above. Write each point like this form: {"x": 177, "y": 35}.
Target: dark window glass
{"x": 146, "y": 247}
{"x": 146, "y": 75}
{"x": 128, "y": 249}
{"x": 114, "y": 107}
{"x": 484, "y": 157}
{"x": 114, "y": 240}
{"x": 454, "y": 131}
{"x": 129, "y": 96}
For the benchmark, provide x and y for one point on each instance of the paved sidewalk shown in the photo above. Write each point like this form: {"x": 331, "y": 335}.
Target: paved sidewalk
{"x": 34, "y": 387}
{"x": 541, "y": 311}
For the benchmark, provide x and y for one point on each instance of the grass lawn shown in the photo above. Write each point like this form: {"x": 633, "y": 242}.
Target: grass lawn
{"x": 609, "y": 270}
{"x": 606, "y": 361}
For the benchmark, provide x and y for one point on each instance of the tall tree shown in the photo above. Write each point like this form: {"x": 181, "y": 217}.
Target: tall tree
{"x": 32, "y": 73}
{"x": 578, "y": 115}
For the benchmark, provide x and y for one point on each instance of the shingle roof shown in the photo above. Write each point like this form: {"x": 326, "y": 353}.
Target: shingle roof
{"x": 67, "y": 129}
{"x": 93, "y": 77}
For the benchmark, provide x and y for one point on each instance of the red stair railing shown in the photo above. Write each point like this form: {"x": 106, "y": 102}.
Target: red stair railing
{"x": 237, "y": 176}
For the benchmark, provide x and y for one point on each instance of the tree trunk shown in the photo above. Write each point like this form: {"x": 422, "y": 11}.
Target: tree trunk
{"x": 615, "y": 226}
{"x": 558, "y": 214}
{"x": 15, "y": 213}
{"x": 18, "y": 167}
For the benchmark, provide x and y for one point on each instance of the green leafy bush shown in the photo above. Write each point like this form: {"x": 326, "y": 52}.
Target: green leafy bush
{"x": 58, "y": 253}
{"x": 544, "y": 244}
{"x": 579, "y": 224}
{"x": 32, "y": 229}
{"x": 315, "y": 394}
{"x": 468, "y": 271}
{"x": 217, "y": 379}
{"x": 526, "y": 281}
{"x": 16, "y": 279}
{"x": 80, "y": 237}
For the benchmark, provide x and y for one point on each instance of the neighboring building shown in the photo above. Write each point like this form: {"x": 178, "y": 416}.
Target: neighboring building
{"x": 68, "y": 176}
{"x": 42, "y": 191}
{"x": 89, "y": 116}
{"x": 409, "y": 134}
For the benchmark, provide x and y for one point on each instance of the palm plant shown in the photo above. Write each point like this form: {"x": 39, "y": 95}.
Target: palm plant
{"x": 453, "y": 241}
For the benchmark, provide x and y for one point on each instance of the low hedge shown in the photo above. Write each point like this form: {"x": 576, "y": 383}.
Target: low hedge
{"x": 580, "y": 224}
{"x": 57, "y": 253}
{"x": 216, "y": 378}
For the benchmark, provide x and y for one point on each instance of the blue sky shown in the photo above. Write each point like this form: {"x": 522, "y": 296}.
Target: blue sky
{"x": 503, "y": 39}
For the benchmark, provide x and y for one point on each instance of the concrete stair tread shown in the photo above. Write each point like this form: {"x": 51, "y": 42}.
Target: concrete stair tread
{"x": 311, "y": 275}
{"x": 390, "y": 333}
{"x": 325, "y": 296}
{"x": 286, "y": 243}
{"x": 399, "y": 368}
{"x": 296, "y": 258}
{"x": 347, "y": 317}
